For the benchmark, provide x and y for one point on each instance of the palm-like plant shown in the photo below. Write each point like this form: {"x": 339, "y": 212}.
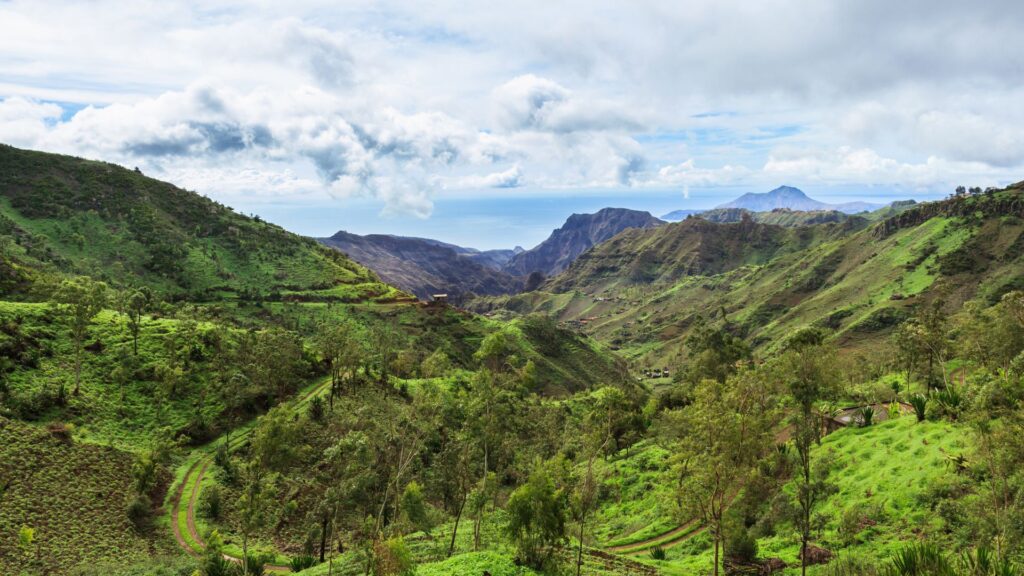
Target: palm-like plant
{"x": 950, "y": 401}
{"x": 922, "y": 559}
{"x": 919, "y": 402}
{"x": 867, "y": 416}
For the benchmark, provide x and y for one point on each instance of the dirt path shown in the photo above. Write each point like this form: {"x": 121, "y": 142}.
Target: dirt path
{"x": 673, "y": 536}
{"x": 202, "y": 463}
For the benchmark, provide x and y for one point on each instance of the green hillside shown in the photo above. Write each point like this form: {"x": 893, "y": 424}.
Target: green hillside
{"x": 205, "y": 320}
{"x": 642, "y": 290}
{"x": 67, "y": 215}
{"x": 182, "y": 387}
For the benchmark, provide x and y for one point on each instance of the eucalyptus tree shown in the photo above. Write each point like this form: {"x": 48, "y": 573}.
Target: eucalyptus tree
{"x": 79, "y": 300}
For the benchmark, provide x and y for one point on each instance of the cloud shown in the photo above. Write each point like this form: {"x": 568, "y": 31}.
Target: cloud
{"x": 688, "y": 174}
{"x": 846, "y": 165}
{"x": 403, "y": 103}
{"x": 530, "y": 102}
{"x": 23, "y": 120}
{"x": 511, "y": 178}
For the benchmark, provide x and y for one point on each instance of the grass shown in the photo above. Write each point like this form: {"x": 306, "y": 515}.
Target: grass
{"x": 786, "y": 280}
{"x": 75, "y": 496}
{"x": 883, "y": 473}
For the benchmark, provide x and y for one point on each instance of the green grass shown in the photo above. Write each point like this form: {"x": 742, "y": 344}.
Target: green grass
{"x": 885, "y": 471}
{"x": 75, "y": 496}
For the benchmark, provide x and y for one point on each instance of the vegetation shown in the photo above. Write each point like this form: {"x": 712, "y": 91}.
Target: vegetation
{"x": 185, "y": 390}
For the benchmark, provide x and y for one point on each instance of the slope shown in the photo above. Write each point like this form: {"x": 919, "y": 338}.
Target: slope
{"x": 642, "y": 290}
{"x": 425, "y": 267}
{"x": 577, "y": 235}
{"x": 66, "y": 215}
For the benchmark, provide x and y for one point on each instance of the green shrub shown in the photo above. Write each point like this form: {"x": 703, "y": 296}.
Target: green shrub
{"x": 255, "y": 565}
{"x": 919, "y": 402}
{"x": 867, "y": 416}
{"x": 316, "y": 409}
{"x": 210, "y": 503}
{"x": 920, "y": 559}
{"x": 301, "y": 562}
{"x": 140, "y": 512}
{"x": 949, "y": 401}
{"x": 740, "y": 546}
{"x": 658, "y": 553}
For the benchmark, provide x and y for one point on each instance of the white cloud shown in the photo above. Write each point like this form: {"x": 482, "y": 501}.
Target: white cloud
{"x": 403, "y": 102}
{"x": 846, "y": 165}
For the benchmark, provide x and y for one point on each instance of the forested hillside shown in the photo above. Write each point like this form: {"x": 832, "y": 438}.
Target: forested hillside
{"x": 644, "y": 289}
{"x": 701, "y": 397}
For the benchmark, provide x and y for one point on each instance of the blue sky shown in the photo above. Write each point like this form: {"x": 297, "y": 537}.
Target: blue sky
{"x": 487, "y": 124}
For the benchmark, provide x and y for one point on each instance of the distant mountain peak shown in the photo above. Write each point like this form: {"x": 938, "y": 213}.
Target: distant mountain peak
{"x": 791, "y": 198}
{"x": 577, "y": 235}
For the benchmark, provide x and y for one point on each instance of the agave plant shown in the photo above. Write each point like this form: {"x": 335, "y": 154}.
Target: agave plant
{"x": 983, "y": 562}
{"x": 919, "y": 402}
{"x": 950, "y": 401}
{"x": 657, "y": 553}
{"x": 922, "y": 559}
{"x": 867, "y": 416}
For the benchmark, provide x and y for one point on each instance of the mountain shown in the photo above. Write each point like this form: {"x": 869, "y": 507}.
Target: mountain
{"x": 425, "y": 267}
{"x": 579, "y": 233}
{"x": 67, "y": 215}
{"x": 643, "y": 290}
{"x": 677, "y": 215}
{"x": 778, "y": 216}
{"x": 793, "y": 199}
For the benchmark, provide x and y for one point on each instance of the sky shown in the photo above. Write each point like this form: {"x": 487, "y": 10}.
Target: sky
{"x": 487, "y": 124}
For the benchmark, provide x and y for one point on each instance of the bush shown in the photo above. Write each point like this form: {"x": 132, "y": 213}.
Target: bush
{"x": 214, "y": 564}
{"x": 919, "y": 560}
{"x": 301, "y": 562}
{"x": 867, "y": 416}
{"x": 140, "y": 512}
{"x": 658, "y": 553}
{"x": 740, "y": 546}
{"x": 254, "y": 564}
{"x": 949, "y": 402}
{"x": 210, "y": 503}
{"x": 393, "y": 558}
{"x": 316, "y": 409}
{"x": 919, "y": 402}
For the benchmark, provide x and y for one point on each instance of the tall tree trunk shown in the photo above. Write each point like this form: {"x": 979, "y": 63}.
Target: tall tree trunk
{"x": 579, "y": 550}
{"x": 78, "y": 366}
{"x": 323, "y": 537}
{"x": 458, "y": 516}
{"x": 716, "y": 554}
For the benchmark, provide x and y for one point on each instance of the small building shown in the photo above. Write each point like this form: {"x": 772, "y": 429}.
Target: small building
{"x": 439, "y": 299}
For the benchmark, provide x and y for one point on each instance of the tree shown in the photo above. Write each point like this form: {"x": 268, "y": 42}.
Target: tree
{"x": 135, "y": 304}
{"x": 718, "y": 439}
{"x": 253, "y": 505}
{"x": 384, "y": 342}
{"x": 713, "y": 352}
{"x": 537, "y": 517}
{"x": 585, "y": 497}
{"x": 340, "y": 346}
{"x": 80, "y": 300}
{"x": 414, "y": 507}
{"x": 436, "y": 365}
{"x": 810, "y": 371}
{"x": 499, "y": 351}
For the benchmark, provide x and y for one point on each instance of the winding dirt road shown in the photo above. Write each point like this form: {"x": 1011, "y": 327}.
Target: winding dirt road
{"x": 193, "y": 482}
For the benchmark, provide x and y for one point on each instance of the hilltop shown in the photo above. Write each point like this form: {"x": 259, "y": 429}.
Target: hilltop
{"x": 792, "y": 199}
{"x": 425, "y": 267}
{"x": 67, "y": 215}
{"x": 643, "y": 289}
{"x": 579, "y": 233}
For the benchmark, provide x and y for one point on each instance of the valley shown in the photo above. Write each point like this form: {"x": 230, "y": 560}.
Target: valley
{"x": 189, "y": 390}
